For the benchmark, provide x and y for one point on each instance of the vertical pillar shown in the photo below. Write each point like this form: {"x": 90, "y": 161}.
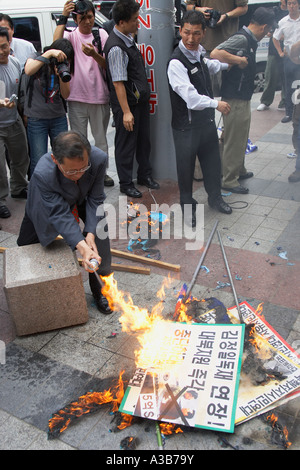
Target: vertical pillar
{"x": 156, "y": 41}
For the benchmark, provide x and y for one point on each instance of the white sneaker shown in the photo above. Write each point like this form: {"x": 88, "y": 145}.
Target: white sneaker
{"x": 262, "y": 107}
{"x": 292, "y": 154}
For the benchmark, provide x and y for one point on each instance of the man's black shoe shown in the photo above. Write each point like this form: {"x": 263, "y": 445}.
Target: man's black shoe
{"x": 21, "y": 195}
{"x": 237, "y": 189}
{"x": 149, "y": 182}
{"x": 4, "y": 212}
{"x": 102, "y": 304}
{"x": 131, "y": 192}
{"x": 247, "y": 175}
{"x": 286, "y": 119}
{"x": 220, "y": 205}
{"x": 108, "y": 181}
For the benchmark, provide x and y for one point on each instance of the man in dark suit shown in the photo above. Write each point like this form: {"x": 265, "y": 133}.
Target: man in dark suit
{"x": 129, "y": 99}
{"x": 67, "y": 184}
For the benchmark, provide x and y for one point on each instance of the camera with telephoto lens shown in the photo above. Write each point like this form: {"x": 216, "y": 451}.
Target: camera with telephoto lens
{"x": 63, "y": 69}
{"x": 80, "y": 6}
{"x": 214, "y": 16}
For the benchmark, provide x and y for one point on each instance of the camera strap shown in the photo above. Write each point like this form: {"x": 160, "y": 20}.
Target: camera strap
{"x": 97, "y": 39}
{"x": 98, "y": 44}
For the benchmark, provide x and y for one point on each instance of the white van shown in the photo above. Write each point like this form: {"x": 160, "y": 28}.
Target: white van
{"x": 36, "y": 20}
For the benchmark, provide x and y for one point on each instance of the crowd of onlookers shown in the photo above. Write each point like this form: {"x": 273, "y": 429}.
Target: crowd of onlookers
{"x": 82, "y": 76}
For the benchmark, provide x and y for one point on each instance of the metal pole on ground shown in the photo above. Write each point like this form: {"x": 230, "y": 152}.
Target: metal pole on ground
{"x": 230, "y": 278}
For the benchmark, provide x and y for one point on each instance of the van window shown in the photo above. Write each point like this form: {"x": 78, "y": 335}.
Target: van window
{"x": 28, "y": 28}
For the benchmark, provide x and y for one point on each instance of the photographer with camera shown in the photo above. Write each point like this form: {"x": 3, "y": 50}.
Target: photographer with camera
{"x": 88, "y": 102}
{"x": 222, "y": 19}
{"x": 47, "y": 88}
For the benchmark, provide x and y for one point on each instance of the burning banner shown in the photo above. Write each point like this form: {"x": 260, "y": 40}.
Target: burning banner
{"x": 271, "y": 368}
{"x": 205, "y": 370}
{"x": 194, "y": 380}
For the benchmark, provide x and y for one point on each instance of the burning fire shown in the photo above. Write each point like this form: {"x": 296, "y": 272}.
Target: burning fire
{"x": 277, "y": 427}
{"x": 86, "y": 404}
{"x": 169, "y": 428}
{"x": 145, "y": 324}
{"x": 134, "y": 320}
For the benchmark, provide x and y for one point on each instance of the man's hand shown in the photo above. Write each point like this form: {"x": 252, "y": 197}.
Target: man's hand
{"x": 68, "y": 8}
{"x": 7, "y": 104}
{"x": 223, "y": 107}
{"x": 88, "y": 49}
{"x": 88, "y": 250}
{"x": 243, "y": 62}
{"x": 128, "y": 121}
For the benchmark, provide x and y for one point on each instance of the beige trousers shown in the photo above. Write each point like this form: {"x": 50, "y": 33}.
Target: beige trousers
{"x": 97, "y": 115}
{"x": 236, "y": 132}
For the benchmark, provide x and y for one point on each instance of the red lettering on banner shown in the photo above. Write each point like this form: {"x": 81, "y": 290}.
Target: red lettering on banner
{"x": 153, "y": 95}
{"x": 144, "y": 2}
{"x": 151, "y": 80}
{"x": 153, "y": 103}
{"x": 147, "y": 22}
{"x": 148, "y": 54}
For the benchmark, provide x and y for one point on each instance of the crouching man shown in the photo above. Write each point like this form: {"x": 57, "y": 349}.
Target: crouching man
{"x": 65, "y": 186}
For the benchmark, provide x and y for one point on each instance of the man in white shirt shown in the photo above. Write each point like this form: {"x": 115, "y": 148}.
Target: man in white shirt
{"x": 19, "y": 48}
{"x": 12, "y": 131}
{"x": 193, "y": 108}
{"x": 289, "y": 31}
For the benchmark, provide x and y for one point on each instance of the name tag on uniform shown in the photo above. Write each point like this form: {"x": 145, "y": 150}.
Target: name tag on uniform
{"x": 194, "y": 70}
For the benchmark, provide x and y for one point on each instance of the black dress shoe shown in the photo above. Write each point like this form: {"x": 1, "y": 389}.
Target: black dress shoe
{"x": 149, "y": 182}
{"x": 220, "y": 205}
{"x": 249, "y": 174}
{"x": 21, "y": 195}
{"x": 286, "y": 119}
{"x": 108, "y": 181}
{"x": 131, "y": 192}
{"x": 237, "y": 189}
{"x": 4, "y": 212}
{"x": 102, "y": 304}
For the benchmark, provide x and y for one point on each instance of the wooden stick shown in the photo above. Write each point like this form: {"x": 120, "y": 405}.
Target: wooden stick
{"x": 125, "y": 267}
{"x": 130, "y": 269}
{"x": 2, "y": 249}
{"x": 142, "y": 259}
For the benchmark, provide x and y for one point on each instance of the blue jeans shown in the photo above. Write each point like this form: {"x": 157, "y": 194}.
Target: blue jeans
{"x": 38, "y": 131}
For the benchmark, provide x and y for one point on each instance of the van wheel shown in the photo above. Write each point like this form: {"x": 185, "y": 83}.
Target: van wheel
{"x": 259, "y": 80}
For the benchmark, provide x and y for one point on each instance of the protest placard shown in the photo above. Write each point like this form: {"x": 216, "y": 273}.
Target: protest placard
{"x": 195, "y": 383}
{"x": 280, "y": 362}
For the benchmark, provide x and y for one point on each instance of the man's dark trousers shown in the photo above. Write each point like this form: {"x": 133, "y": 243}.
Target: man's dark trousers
{"x": 130, "y": 144}
{"x": 201, "y": 141}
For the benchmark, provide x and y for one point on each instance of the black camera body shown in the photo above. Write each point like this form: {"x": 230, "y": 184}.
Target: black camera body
{"x": 63, "y": 69}
{"x": 214, "y": 16}
{"x": 80, "y": 7}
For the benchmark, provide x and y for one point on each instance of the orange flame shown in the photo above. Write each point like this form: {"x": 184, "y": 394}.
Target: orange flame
{"x": 139, "y": 321}
{"x": 169, "y": 428}
{"x": 85, "y": 405}
{"x": 261, "y": 346}
{"x": 259, "y": 310}
{"x": 274, "y": 419}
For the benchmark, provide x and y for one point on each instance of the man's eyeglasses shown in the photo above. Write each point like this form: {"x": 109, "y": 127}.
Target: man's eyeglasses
{"x": 74, "y": 172}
